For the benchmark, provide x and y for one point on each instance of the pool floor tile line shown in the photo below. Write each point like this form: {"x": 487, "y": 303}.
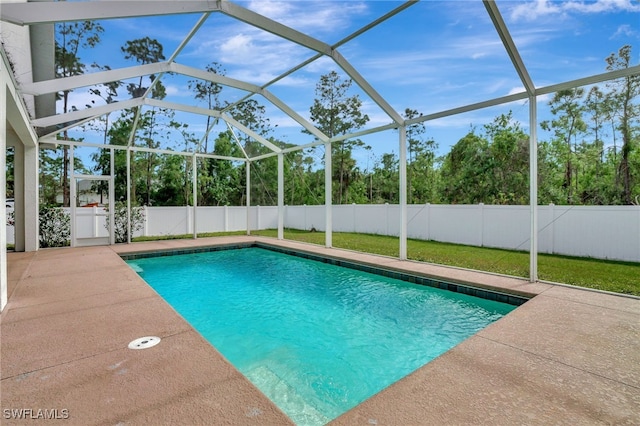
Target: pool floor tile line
{"x": 568, "y": 356}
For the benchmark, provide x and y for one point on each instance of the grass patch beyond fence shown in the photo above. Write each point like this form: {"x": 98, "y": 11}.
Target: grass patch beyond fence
{"x": 614, "y": 276}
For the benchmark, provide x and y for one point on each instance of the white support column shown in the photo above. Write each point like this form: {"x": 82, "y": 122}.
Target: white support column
{"x": 194, "y": 184}
{"x": 72, "y": 194}
{"x": 280, "y": 196}
{"x": 533, "y": 188}
{"x": 26, "y": 197}
{"x": 328, "y": 206}
{"x": 19, "y": 205}
{"x": 3, "y": 194}
{"x": 112, "y": 197}
{"x": 403, "y": 192}
{"x": 129, "y": 196}
{"x": 248, "y": 191}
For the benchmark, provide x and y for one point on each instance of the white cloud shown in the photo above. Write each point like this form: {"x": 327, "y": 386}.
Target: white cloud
{"x": 323, "y": 64}
{"x": 534, "y": 10}
{"x": 602, "y": 6}
{"x": 377, "y": 117}
{"x": 294, "y": 80}
{"x": 238, "y": 48}
{"x": 251, "y": 54}
{"x": 173, "y": 90}
{"x": 516, "y": 90}
{"x": 624, "y": 31}
{"x": 313, "y": 17}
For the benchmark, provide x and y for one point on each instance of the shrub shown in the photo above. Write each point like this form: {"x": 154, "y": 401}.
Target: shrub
{"x": 120, "y": 219}
{"x": 55, "y": 227}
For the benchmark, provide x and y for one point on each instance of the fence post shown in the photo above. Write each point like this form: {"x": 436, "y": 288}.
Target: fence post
{"x": 188, "y": 213}
{"x": 481, "y": 206}
{"x": 428, "y": 233}
{"x": 304, "y": 211}
{"x": 258, "y": 227}
{"x": 553, "y": 229}
{"x": 226, "y": 218}
{"x": 353, "y": 214}
{"x": 386, "y": 218}
{"x": 145, "y": 230}
{"x": 95, "y": 221}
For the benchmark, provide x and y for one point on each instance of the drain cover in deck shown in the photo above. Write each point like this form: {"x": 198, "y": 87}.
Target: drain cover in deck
{"x": 144, "y": 342}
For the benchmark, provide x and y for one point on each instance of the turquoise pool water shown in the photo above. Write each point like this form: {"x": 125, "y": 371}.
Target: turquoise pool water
{"x": 317, "y": 339}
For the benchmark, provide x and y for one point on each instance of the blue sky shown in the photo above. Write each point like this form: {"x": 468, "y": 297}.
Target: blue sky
{"x": 433, "y": 56}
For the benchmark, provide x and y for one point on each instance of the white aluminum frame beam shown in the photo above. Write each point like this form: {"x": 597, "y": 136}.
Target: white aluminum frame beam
{"x": 343, "y": 41}
{"x": 328, "y": 196}
{"x": 51, "y": 137}
{"x": 69, "y": 117}
{"x": 97, "y": 9}
{"x": 214, "y": 113}
{"x": 235, "y": 138}
{"x": 297, "y": 37}
{"x": 247, "y": 170}
{"x": 194, "y": 193}
{"x": 52, "y": 12}
{"x": 172, "y": 58}
{"x": 530, "y": 88}
{"x": 145, "y": 149}
{"x": 101, "y": 77}
{"x": 533, "y": 189}
{"x": 467, "y": 108}
{"x": 250, "y": 133}
{"x": 331, "y": 140}
{"x": 508, "y": 43}
{"x": 252, "y": 89}
{"x": 402, "y": 188}
{"x": 366, "y": 87}
{"x": 280, "y": 196}
{"x": 254, "y": 19}
{"x": 181, "y": 107}
{"x": 70, "y": 83}
{"x": 294, "y": 115}
{"x": 593, "y": 79}
{"x": 112, "y": 196}
{"x": 585, "y": 81}
{"x": 213, "y": 77}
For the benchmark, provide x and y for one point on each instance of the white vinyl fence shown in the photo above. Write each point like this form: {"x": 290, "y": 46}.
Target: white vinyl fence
{"x": 606, "y": 232}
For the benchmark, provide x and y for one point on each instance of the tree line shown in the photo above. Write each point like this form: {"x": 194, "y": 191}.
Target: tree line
{"x": 591, "y": 157}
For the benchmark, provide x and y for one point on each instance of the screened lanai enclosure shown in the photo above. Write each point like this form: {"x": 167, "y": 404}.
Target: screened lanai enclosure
{"x": 488, "y": 121}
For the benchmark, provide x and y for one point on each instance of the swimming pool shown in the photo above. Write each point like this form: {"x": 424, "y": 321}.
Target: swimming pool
{"x": 316, "y": 338}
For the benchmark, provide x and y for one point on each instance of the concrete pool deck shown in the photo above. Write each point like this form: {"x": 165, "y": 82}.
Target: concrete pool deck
{"x": 568, "y": 356}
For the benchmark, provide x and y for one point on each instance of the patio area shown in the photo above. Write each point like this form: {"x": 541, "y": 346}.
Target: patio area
{"x": 568, "y": 356}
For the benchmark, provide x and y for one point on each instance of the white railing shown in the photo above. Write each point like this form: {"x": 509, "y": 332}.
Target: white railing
{"x": 605, "y": 232}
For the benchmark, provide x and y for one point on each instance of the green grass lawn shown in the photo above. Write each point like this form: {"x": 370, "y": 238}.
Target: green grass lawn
{"x": 619, "y": 277}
